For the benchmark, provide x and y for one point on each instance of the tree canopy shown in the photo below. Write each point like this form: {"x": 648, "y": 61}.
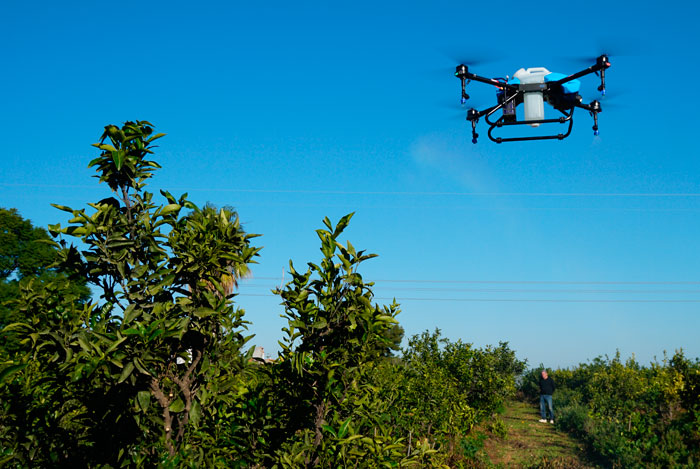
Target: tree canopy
{"x": 23, "y": 248}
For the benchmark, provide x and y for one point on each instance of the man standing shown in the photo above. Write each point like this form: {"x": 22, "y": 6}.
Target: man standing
{"x": 546, "y": 391}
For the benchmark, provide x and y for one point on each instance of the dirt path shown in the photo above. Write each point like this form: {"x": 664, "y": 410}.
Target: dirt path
{"x": 531, "y": 444}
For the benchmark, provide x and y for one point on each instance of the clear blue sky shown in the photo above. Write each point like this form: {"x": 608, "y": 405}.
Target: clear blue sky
{"x": 292, "y": 111}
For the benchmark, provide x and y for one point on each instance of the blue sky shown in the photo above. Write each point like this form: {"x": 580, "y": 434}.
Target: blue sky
{"x": 293, "y": 111}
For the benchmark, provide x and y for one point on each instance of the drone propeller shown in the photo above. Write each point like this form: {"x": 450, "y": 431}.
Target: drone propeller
{"x": 611, "y": 106}
{"x": 451, "y": 56}
{"x": 616, "y": 47}
{"x": 456, "y": 109}
{"x": 587, "y": 59}
{"x": 483, "y": 57}
{"x": 469, "y": 61}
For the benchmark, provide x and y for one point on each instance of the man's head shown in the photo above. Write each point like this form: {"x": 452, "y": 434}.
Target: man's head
{"x": 544, "y": 374}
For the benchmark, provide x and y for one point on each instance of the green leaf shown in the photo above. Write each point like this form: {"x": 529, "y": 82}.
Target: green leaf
{"x": 327, "y": 222}
{"x": 10, "y": 370}
{"x": 385, "y": 318}
{"x": 63, "y": 208}
{"x": 140, "y": 367}
{"x": 117, "y": 363}
{"x": 195, "y": 413}
{"x": 96, "y": 160}
{"x": 170, "y": 208}
{"x": 156, "y": 333}
{"x": 104, "y": 146}
{"x": 129, "y": 314}
{"x": 168, "y": 196}
{"x": 328, "y": 429}
{"x": 16, "y": 325}
{"x": 76, "y": 230}
{"x": 55, "y": 229}
{"x": 204, "y": 312}
{"x": 84, "y": 344}
{"x": 144, "y": 400}
{"x": 320, "y": 323}
{"x": 118, "y": 158}
{"x": 78, "y": 373}
{"x": 156, "y": 136}
{"x": 115, "y": 345}
{"x": 342, "y": 224}
{"x": 343, "y": 430}
{"x": 177, "y": 406}
{"x": 138, "y": 272}
{"x": 126, "y": 372}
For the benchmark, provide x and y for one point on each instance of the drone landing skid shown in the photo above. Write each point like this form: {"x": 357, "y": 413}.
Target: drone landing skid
{"x": 501, "y": 122}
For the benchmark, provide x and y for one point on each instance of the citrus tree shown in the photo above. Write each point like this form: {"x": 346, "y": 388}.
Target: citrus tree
{"x": 329, "y": 413}
{"x": 135, "y": 376}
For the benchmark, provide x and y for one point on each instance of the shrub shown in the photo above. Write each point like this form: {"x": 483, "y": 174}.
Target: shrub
{"x": 572, "y": 418}
{"x": 628, "y": 414}
{"x": 498, "y": 428}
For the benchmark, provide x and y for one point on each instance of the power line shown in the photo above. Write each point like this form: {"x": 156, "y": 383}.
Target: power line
{"x": 507, "y": 300}
{"x": 522, "y": 282}
{"x": 538, "y": 300}
{"x": 402, "y": 193}
{"x": 278, "y": 204}
{"x": 374, "y": 206}
{"x": 516, "y": 290}
{"x": 468, "y": 194}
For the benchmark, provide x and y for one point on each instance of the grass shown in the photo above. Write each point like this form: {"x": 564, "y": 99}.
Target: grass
{"x": 529, "y": 443}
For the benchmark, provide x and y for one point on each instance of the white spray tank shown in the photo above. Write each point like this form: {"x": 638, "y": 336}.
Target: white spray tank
{"x": 533, "y": 100}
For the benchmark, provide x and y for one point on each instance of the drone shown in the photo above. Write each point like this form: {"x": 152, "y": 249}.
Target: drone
{"x": 533, "y": 87}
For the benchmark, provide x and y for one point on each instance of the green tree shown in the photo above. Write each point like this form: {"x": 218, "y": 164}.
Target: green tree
{"x": 394, "y": 336}
{"x": 327, "y": 413}
{"x": 25, "y": 253}
{"x": 439, "y": 390}
{"x": 143, "y": 371}
{"x": 236, "y": 270}
{"x": 22, "y": 252}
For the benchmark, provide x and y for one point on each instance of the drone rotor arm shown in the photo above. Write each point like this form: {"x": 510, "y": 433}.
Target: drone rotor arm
{"x": 488, "y": 111}
{"x": 474, "y": 115}
{"x": 594, "y": 106}
{"x": 464, "y": 73}
{"x": 602, "y": 63}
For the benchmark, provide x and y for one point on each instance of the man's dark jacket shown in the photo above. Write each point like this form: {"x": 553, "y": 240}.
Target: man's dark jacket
{"x": 547, "y": 386}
